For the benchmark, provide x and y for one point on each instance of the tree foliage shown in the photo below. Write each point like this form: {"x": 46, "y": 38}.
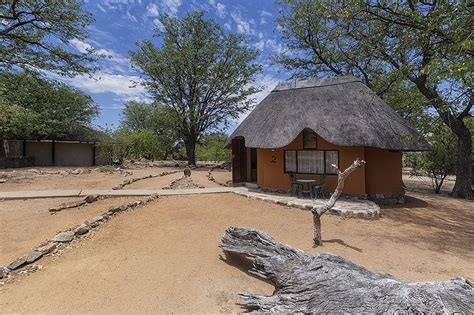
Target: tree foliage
{"x": 211, "y": 148}
{"x": 43, "y": 109}
{"x": 438, "y": 163}
{"x": 405, "y": 51}
{"x": 158, "y": 120}
{"x": 34, "y": 35}
{"x": 201, "y": 73}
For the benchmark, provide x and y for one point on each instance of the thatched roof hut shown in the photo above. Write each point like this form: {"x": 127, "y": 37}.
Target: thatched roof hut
{"x": 342, "y": 110}
{"x": 301, "y": 129}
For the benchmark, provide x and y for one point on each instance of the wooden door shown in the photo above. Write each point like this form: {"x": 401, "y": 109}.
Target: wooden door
{"x": 238, "y": 160}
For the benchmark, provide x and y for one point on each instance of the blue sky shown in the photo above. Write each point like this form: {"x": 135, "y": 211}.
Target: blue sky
{"x": 121, "y": 23}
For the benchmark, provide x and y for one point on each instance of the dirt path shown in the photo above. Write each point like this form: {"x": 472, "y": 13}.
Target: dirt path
{"x": 25, "y": 180}
{"x": 25, "y": 224}
{"x": 164, "y": 257}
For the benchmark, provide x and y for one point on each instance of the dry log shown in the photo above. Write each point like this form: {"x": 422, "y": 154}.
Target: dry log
{"x": 326, "y": 283}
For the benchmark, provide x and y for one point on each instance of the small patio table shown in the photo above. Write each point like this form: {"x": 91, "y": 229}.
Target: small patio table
{"x": 308, "y": 183}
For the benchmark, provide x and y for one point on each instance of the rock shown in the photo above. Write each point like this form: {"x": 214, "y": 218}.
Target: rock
{"x": 379, "y": 196}
{"x": 401, "y": 200}
{"x": 82, "y": 229}
{"x": 76, "y": 172}
{"x": 2, "y": 180}
{"x": 95, "y": 221}
{"x": 91, "y": 198}
{"x": 118, "y": 187}
{"x": 48, "y": 248}
{"x": 114, "y": 209}
{"x": 33, "y": 256}
{"x": 63, "y": 237}
{"x": 187, "y": 172}
{"x": 4, "y": 271}
{"x": 20, "y": 262}
{"x": 67, "y": 205}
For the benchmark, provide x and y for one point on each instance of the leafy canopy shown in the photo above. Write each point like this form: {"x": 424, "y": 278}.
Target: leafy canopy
{"x": 44, "y": 109}
{"x": 157, "y": 119}
{"x": 201, "y": 73}
{"x": 34, "y": 33}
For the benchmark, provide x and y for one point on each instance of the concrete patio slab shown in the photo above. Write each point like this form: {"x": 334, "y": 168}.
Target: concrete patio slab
{"x": 364, "y": 209}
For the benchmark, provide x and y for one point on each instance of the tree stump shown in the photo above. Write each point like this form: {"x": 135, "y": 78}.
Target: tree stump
{"x": 324, "y": 282}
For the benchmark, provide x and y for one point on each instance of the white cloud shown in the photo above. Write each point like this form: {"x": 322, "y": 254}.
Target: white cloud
{"x": 171, "y": 6}
{"x": 273, "y": 45}
{"x": 158, "y": 25}
{"x": 243, "y": 26}
{"x": 124, "y": 86}
{"x": 264, "y": 14}
{"x": 259, "y": 45}
{"x": 112, "y": 59}
{"x": 152, "y": 10}
{"x": 101, "y": 8}
{"x": 81, "y": 46}
{"x": 220, "y": 8}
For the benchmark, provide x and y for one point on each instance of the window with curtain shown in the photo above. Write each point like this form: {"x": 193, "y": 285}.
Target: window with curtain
{"x": 290, "y": 162}
{"x": 332, "y": 157}
{"x": 311, "y": 161}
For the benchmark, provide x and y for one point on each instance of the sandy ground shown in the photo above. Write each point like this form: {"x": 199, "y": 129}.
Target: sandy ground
{"x": 25, "y": 224}
{"x": 25, "y": 180}
{"x": 164, "y": 257}
{"x": 222, "y": 176}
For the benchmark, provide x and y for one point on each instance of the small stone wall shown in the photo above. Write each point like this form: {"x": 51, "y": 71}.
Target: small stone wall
{"x": 388, "y": 199}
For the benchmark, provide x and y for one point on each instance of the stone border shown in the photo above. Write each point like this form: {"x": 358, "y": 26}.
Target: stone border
{"x": 133, "y": 180}
{"x": 76, "y": 204}
{"x": 67, "y": 236}
{"x": 370, "y": 211}
{"x": 212, "y": 179}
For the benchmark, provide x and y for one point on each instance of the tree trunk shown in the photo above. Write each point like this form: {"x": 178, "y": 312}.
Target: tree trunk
{"x": 191, "y": 151}
{"x": 326, "y": 283}
{"x": 317, "y": 229}
{"x": 318, "y": 212}
{"x": 462, "y": 187}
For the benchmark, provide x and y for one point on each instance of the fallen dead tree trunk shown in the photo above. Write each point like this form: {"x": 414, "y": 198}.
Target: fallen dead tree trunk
{"x": 330, "y": 283}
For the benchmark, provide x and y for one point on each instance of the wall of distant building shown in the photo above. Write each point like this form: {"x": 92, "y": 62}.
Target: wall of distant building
{"x": 22, "y": 153}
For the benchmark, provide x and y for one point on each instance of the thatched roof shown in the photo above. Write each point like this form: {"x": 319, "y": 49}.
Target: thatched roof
{"x": 342, "y": 110}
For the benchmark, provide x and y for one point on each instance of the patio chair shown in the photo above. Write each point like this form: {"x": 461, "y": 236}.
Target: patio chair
{"x": 294, "y": 185}
{"x": 318, "y": 188}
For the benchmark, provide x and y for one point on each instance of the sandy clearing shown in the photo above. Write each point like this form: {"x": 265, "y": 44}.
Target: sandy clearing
{"x": 164, "y": 257}
{"x": 25, "y": 224}
{"x": 92, "y": 180}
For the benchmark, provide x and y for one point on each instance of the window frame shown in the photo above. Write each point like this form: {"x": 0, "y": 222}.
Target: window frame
{"x": 324, "y": 161}
{"x": 313, "y": 134}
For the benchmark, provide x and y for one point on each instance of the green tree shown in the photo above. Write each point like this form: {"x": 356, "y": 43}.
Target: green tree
{"x": 438, "y": 163}
{"x": 211, "y": 148}
{"x": 158, "y": 119}
{"x": 422, "y": 49}
{"x": 57, "y": 110}
{"x": 34, "y": 33}
{"x": 202, "y": 74}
